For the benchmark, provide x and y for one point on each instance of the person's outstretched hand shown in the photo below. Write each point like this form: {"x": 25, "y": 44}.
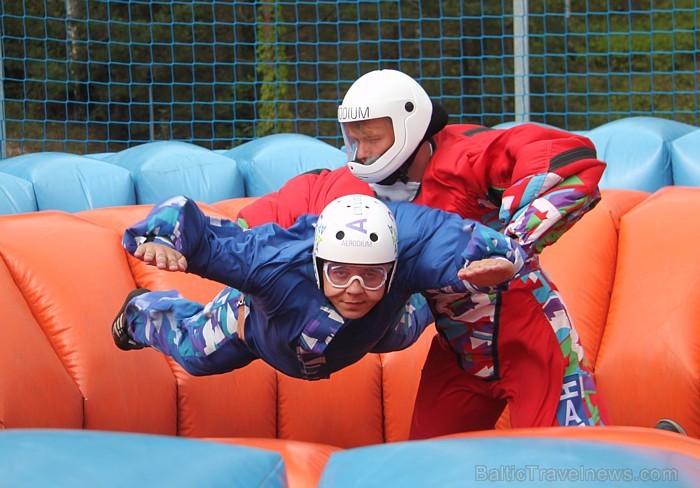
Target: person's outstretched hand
{"x": 487, "y": 272}
{"x": 162, "y": 256}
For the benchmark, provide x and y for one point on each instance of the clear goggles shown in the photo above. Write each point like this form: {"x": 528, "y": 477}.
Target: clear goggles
{"x": 342, "y": 275}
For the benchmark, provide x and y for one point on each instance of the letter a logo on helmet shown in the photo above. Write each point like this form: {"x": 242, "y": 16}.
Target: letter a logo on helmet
{"x": 355, "y": 229}
{"x": 358, "y": 225}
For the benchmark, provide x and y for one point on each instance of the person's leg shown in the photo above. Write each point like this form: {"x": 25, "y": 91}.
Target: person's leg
{"x": 543, "y": 373}
{"x": 449, "y": 400}
{"x": 518, "y": 346}
{"x": 202, "y": 339}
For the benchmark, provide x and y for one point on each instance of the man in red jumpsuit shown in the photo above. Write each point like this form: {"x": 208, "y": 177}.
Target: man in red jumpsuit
{"x": 531, "y": 182}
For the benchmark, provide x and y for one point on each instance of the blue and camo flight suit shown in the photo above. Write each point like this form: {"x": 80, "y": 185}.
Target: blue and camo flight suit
{"x": 285, "y": 319}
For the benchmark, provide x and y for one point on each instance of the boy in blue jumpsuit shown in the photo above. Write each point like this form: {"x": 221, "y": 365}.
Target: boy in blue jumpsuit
{"x": 313, "y": 298}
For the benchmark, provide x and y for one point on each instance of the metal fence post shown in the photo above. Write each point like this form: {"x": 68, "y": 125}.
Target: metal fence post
{"x": 3, "y": 139}
{"x": 521, "y": 65}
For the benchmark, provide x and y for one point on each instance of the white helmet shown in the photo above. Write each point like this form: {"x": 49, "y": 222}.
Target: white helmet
{"x": 386, "y": 93}
{"x": 355, "y": 229}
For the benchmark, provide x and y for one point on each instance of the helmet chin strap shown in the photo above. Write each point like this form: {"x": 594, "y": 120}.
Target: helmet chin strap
{"x": 438, "y": 120}
{"x": 402, "y": 172}
{"x": 399, "y": 174}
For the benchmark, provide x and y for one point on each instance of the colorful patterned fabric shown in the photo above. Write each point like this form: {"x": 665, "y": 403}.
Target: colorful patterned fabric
{"x": 531, "y": 182}
{"x": 578, "y": 403}
{"x": 468, "y": 323}
{"x": 289, "y": 323}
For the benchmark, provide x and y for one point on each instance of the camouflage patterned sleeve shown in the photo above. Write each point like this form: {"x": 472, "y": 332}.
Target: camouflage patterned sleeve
{"x": 178, "y": 223}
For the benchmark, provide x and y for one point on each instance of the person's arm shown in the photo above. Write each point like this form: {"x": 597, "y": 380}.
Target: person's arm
{"x": 213, "y": 248}
{"x": 554, "y": 182}
{"x": 435, "y": 250}
{"x": 484, "y": 245}
{"x": 306, "y": 193}
{"x": 435, "y": 247}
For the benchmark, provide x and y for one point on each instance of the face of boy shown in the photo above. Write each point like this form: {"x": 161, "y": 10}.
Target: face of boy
{"x": 374, "y": 137}
{"x": 355, "y": 301}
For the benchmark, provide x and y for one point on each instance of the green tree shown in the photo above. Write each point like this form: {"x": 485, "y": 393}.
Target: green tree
{"x": 274, "y": 113}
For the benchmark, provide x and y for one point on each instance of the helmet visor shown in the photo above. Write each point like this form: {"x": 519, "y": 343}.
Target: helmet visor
{"x": 342, "y": 275}
{"x": 367, "y": 140}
